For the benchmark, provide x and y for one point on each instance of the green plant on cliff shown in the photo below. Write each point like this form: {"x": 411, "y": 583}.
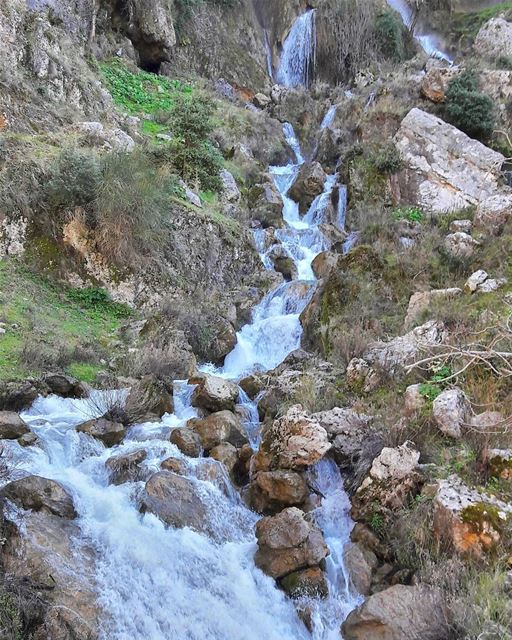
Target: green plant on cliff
{"x": 392, "y": 36}
{"x": 468, "y": 109}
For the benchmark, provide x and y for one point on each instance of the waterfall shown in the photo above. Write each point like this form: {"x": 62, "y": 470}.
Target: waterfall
{"x": 299, "y": 50}
{"x": 162, "y": 583}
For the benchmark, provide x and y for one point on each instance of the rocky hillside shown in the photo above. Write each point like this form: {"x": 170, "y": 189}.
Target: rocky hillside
{"x": 255, "y": 320}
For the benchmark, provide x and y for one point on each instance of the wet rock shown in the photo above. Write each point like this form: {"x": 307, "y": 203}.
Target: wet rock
{"x": 283, "y": 263}
{"x": 294, "y": 441}
{"x": 444, "y": 170}
{"x": 471, "y": 520}
{"x": 460, "y": 245}
{"x": 149, "y": 399}
{"x": 227, "y": 454}
{"x": 126, "y": 468}
{"x": 175, "y": 500}
{"x": 324, "y": 263}
{"x": 40, "y": 494}
{"x": 266, "y": 204}
{"x": 494, "y": 39}
{"x": 222, "y": 426}
{"x": 110, "y": 433}
{"x": 422, "y": 301}
{"x": 12, "y": 426}
{"x": 16, "y": 396}
{"x": 188, "y": 441}
{"x": 360, "y": 564}
{"x": 176, "y": 465}
{"x": 272, "y": 490}
{"x": 309, "y": 184}
{"x": 451, "y": 410}
{"x": 287, "y": 542}
{"x": 393, "y": 477}
{"x": 28, "y": 440}
{"x": 215, "y": 394}
{"x": 65, "y": 386}
{"x": 310, "y": 583}
{"x": 399, "y": 613}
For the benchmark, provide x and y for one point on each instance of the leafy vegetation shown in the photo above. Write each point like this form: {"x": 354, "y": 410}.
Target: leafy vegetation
{"x": 392, "y": 36}
{"x": 468, "y": 109}
{"x": 411, "y": 214}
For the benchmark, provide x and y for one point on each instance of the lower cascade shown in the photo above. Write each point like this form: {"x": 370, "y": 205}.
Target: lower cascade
{"x": 158, "y": 582}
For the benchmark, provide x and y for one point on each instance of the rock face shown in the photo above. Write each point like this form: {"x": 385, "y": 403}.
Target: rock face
{"x": 273, "y": 490}
{"x": 12, "y": 426}
{"x": 40, "y": 494}
{"x": 472, "y": 521}
{"x": 436, "y": 80}
{"x": 215, "y": 394}
{"x": 110, "y": 433}
{"x": 460, "y": 244}
{"x": 295, "y": 441}
{"x": 149, "y": 399}
{"x": 360, "y": 563}
{"x": 492, "y": 214}
{"x": 222, "y": 426}
{"x": 399, "y": 613}
{"x": 494, "y": 39}
{"x": 393, "y": 476}
{"x": 309, "y": 184}
{"x": 310, "y": 583}
{"x": 422, "y": 300}
{"x": 175, "y": 500}
{"x": 445, "y": 170}
{"x": 287, "y": 542}
{"x": 451, "y": 410}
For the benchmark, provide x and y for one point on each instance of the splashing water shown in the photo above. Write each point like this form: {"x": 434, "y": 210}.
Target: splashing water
{"x": 299, "y": 51}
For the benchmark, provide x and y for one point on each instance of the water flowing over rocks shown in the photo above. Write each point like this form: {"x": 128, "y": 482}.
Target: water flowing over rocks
{"x": 399, "y": 613}
{"x": 215, "y": 394}
{"x": 110, "y": 433}
{"x": 40, "y": 494}
{"x": 12, "y": 426}
{"x": 219, "y": 427}
{"x": 445, "y": 170}
{"x": 127, "y": 468}
{"x": 287, "y": 542}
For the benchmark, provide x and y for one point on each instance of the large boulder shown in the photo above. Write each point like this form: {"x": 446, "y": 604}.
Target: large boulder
{"x": 472, "y": 521}
{"x": 451, "y": 410}
{"x": 222, "y": 426}
{"x": 308, "y": 185}
{"x": 266, "y": 204}
{"x": 65, "y": 386}
{"x": 149, "y": 399}
{"x": 175, "y": 500}
{"x": 436, "y": 80}
{"x": 394, "y": 476}
{"x": 12, "y": 426}
{"x": 460, "y": 245}
{"x": 295, "y": 441}
{"x": 270, "y": 491}
{"x": 444, "y": 170}
{"x": 494, "y": 40}
{"x": 110, "y": 433}
{"x": 309, "y": 583}
{"x": 399, "y": 613}
{"x": 40, "y": 494}
{"x": 360, "y": 563}
{"x": 492, "y": 214}
{"x": 188, "y": 441}
{"x": 214, "y": 394}
{"x": 287, "y": 542}
{"x": 16, "y": 396}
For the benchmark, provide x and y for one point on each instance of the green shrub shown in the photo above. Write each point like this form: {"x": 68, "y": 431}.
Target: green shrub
{"x": 411, "y": 214}
{"x": 99, "y": 300}
{"x": 391, "y": 35}
{"x": 468, "y": 109}
{"x": 76, "y": 177}
{"x": 386, "y": 159}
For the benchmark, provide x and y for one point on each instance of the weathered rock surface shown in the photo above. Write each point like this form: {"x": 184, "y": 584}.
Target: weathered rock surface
{"x": 471, "y": 520}
{"x": 149, "y": 399}
{"x": 360, "y": 563}
{"x": 222, "y": 426}
{"x": 393, "y": 477}
{"x": 12, "y": 426}
{"x": 310, "y": 583}
{"x": 399, "y": 613}
{"x": 451, "y": 410}
{"x": 295, "y": 441}
{"x": 494, "y": 39}
{"x": 422, "y": 300}
{"x": 436, "y": 80}
{"x": 270, "y": 491}
{"x": 226, "y": 454}
{"x": 214, "y": 394}
{"x": 65, "y": 386}
{"x": 308, "y": 185}
{"x": 492, "y": 214}
{"x": 110, "y": 433}
{"x": 445, "y": 170}
{"x": 40, "y": 494}
{"x": 414, "y": 400}
{"x": 460, "y": 245}
{"x": 188, "y": 441}
{"x": 126, "y": 468}
{"x": 361, "y": 376}
{"x": 287, "y": 542}
{"x": 500, "y": 463}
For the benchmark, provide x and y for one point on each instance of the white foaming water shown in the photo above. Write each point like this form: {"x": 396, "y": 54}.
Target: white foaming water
{"x": 329, "y": 117}
{"x": 298, "y": 55}
{"x": 430, "y": 42}
{"x": 160, "y": 583}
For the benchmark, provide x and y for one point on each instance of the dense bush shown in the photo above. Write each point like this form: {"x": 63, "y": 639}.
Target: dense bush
{"x": 76, "y": 178}
{"x": 386, "y": 158}
{"x": 392, "y": 36}
{"x": 468, "y": 109}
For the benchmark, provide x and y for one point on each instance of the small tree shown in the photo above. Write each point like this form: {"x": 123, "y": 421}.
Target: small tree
{"x": 468, "y": 109}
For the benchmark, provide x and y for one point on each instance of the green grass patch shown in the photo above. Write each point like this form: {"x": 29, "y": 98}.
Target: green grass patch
{"x": 84, "y": 371}
{"x": 411, "y": 214}
{"x": 139, "y": 91}
{"x": 51, "y": 326}
{"x": 469, "y": 24}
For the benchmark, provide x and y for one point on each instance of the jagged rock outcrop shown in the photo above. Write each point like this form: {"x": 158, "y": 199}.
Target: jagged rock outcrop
{"x": 494, "y": 39}
{"x": 444, "y": 169}
{"x": 149, "y": 399}
{"x": 451, "y": 411}
{"x": 214, "y": 394}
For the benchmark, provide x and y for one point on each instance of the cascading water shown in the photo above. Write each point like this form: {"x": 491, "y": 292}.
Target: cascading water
{"x": 160, "y": 583}
{"x": 299, "y": 51}
{"x": 430, "y": 42}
